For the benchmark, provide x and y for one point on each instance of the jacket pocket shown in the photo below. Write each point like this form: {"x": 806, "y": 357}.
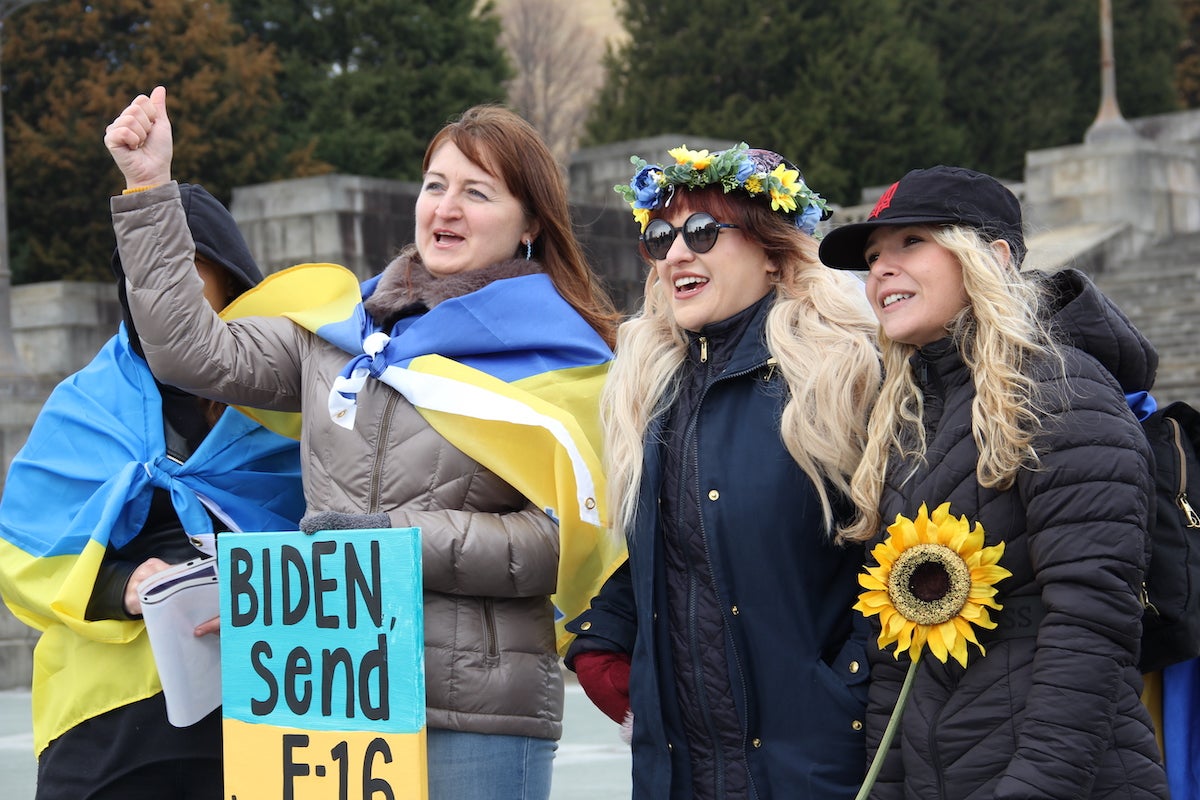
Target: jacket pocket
{"x": 851, "y": 669}
{"x": 491, "y": 647}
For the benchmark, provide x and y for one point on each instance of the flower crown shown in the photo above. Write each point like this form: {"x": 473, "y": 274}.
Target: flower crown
{"x": 756, "y": 172}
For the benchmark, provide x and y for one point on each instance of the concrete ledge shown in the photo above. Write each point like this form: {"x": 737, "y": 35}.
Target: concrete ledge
{"x": 59, "y": 326}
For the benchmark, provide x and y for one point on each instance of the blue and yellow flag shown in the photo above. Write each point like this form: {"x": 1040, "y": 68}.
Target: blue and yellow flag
{"x": 84, "y": 481}
{"x": 510, "y": 374}
{"x": 1181, "y": 728}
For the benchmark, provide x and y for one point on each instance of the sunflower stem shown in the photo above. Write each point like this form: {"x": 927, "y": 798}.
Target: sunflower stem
{"x": 889, "y": 732}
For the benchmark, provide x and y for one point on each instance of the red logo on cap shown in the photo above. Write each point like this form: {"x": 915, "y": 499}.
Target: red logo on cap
{"x": 884, "y": 201}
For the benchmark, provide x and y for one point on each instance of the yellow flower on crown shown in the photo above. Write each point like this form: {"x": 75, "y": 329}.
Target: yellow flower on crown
{"x": 642, "y": 215}
{"x": 760, "y": 173}
{"x": 934, "y": 581}
{"x": 698, "y": 159}
{"x": 782, "y": 202}
{"x": 783, "y": 188}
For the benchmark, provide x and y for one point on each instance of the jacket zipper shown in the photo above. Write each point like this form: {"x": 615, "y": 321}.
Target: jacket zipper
{"x": 385, "y": 425}
{"x": 489, "y": 630}
{"x": 737, "y": 661}
{"x": 1191, "y": 519}
{"x": 693, "y": 650}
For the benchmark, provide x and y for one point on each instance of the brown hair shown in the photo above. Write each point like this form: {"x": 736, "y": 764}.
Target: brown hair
{"x": 509, "y": 149}
{"x": 775, "y": 233}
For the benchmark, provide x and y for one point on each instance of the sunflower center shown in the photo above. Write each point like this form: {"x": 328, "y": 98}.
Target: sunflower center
{"x": 929, "y": 584}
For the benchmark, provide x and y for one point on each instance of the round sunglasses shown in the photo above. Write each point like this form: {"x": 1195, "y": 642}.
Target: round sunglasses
{"x": 699, "y": 231}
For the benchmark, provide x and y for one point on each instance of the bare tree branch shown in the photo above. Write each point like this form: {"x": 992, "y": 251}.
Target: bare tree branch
{"x": 557, "y": 64}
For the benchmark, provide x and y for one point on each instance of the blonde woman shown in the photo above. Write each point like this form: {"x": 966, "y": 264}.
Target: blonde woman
{"x": 735, "y": 415}
{"x": 1004, "y": 396}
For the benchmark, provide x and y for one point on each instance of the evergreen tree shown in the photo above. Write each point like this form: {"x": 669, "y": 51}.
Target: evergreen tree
{"x": 1187, "y": 68}
{"x": 70, "y": 66}
{"x": 366, "y": 83}
{"x": 1024, "y": 76}
{"x": 853, "y": 104}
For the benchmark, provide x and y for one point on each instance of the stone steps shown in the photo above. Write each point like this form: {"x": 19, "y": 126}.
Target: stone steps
{"x": 1159, "y": 291}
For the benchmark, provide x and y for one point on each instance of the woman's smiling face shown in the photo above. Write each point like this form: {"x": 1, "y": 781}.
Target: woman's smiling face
{"x": 915, "y": 285}
{"x": 466, "y": 218}
{"x": 703, "y": 288}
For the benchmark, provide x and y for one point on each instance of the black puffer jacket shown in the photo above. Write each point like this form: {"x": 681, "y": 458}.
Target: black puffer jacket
{"x": 1053, "y": 709}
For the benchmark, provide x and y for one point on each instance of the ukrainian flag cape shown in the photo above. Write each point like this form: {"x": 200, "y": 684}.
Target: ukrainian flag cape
{"x": 1181, "y": 728}
{"x": 83, "y": 481}
{"x": 509, "y": 374}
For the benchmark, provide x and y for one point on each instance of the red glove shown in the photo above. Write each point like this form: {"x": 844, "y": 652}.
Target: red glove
{"x": 604, "y": 676}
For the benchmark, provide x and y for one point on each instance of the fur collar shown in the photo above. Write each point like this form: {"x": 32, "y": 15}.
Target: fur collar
{"x": 407, "y": 288}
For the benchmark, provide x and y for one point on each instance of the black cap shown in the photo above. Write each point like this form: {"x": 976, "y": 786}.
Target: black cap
{"x": 938, "y": 195}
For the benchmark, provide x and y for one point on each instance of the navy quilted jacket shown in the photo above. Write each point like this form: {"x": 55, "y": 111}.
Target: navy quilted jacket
{"x": 769, "y": 608}
{"x": 1053, "y": 709}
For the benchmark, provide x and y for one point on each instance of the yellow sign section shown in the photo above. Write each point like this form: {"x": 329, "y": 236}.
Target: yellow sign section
{"x": 293, "y": 764}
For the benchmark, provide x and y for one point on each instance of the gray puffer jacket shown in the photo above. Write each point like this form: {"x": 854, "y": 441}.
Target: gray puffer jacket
{"x": 490, "y": 559}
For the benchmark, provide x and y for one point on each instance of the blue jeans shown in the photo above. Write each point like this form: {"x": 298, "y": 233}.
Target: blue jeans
{"x": 479, "y": 766}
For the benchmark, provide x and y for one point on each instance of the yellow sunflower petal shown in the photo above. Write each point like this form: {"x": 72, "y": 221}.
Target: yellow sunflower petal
{"x": 964, "y": 629}
{"x": 870, "y": 581}
{"x": 876, "y": 600}
{"x": 920, "y": 635}
{"x": 904, "y": 636}
{"x": 904, "y": 533}
{"x": 958, "y": 650}
{"x": 885, "y": 554}
{"x": 885, "y": 615}
{"x": 937, "y": 645}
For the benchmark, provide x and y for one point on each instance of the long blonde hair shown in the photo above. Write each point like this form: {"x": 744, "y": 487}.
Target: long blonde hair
{"x": 820, "y": 331}
{"x": 1003, "y": 339}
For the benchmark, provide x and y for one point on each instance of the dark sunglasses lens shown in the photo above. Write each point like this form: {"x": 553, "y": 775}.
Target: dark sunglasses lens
{"x": 658, "y": 237}
{"x": 700, "y": 232}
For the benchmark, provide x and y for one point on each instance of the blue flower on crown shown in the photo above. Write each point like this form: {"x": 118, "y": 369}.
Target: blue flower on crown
{"x": 647, "y": 186}
{"x": 807, "y": 220}
{"x": 745, "y": 170}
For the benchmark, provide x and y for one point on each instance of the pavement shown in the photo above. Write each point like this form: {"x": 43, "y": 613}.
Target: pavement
{"x": 592, "y": 763}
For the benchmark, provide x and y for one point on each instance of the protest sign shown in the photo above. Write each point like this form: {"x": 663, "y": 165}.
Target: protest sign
{"x": 322, "y": 665}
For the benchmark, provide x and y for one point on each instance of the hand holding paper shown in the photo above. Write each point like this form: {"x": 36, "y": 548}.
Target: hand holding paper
{"x": 175, "y": 602}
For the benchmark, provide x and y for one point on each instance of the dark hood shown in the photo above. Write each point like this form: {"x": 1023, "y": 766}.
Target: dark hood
{"x": 217, "y": 238}
{"x": 1085, "y": 318}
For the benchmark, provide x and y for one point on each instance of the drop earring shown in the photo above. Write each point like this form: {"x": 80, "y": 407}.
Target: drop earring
{"x": 528, "y": 249}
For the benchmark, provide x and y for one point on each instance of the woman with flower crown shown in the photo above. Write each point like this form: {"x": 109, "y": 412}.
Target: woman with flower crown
{"x": 1004, "y": 398}
{"x": 734, "y": 414}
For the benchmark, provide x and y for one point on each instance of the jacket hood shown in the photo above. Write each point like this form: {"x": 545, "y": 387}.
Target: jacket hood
{"x": 1082, "y": 316}
{"x": 217, "y": 238}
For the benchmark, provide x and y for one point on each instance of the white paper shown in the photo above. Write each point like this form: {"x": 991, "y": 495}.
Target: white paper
{"x": 174, "y": 602}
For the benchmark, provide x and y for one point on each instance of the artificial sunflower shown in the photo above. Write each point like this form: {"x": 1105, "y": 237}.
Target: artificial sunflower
{"x": 934, "y": 582}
